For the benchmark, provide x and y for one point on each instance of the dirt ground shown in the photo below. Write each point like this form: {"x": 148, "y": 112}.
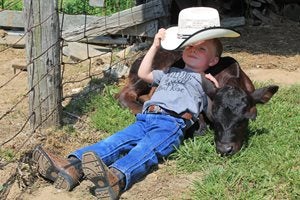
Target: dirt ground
{"x": 268, "y": 53}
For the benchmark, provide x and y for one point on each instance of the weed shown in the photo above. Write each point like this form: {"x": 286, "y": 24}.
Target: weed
{"x": 7, "y": 154}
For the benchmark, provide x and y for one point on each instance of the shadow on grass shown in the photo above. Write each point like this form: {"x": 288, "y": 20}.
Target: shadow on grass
{"x": 254, "y": 132}
{"x": 78, "y": 105}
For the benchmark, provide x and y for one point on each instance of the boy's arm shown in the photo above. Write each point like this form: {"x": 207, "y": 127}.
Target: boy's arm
{"x": 145, "y": 70}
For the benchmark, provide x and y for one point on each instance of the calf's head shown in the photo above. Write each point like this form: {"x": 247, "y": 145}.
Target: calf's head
{"x": 230, "y": 111}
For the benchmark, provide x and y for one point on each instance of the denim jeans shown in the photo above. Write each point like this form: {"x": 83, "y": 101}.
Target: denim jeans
{"x": 135, "y": 149}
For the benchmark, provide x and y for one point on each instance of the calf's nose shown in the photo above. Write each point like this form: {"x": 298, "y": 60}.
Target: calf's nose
{"x": 225, "y": 149}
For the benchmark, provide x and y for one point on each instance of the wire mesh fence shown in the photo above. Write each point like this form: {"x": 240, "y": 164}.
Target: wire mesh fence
{"x": 88, "y": 59}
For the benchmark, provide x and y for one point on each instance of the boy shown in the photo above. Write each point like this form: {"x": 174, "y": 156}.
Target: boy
{"x": 158, "y": 130}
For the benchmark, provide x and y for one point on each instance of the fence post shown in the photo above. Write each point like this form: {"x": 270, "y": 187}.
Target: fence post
{"x": 43, "y": 56}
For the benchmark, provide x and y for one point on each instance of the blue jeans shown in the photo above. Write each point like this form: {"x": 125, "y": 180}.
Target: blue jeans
{"x": 135, "y": 149}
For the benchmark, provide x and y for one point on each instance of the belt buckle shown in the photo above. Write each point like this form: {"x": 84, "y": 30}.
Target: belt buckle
{"x": 154, "y": 109}
{"x": 187, "y": 116}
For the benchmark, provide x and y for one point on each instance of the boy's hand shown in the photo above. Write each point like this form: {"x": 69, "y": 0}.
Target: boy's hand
{"x": 212, "y": 79}
{"x": 160, "y": 35}
{"x": 145, "y": 70}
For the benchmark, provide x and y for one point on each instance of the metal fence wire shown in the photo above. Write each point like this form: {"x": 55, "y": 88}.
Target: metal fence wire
{"x": 87, "y": 52}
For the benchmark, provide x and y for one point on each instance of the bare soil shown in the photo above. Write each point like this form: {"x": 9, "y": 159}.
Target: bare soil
{"x": 267, "y": 53}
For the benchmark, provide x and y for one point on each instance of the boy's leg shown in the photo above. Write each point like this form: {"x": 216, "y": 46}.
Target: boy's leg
{"x": 61, "y": 170}
{"x": 65, "y": 173}
{"x": 164, "y": 134}
{"x": 116, "y": 145}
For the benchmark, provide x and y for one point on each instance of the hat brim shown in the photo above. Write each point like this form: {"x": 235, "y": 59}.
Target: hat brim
{"x": 172, "y": 42}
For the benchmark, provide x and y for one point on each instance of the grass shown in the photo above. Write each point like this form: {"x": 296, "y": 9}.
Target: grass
{"x": 104, "y": 111}
{"x": 266, "y": 168}
{"x": 11, "y": 4}
{"x": 7, "y": 154}
{"x": 82, "y": 7}
{"x": 77, "y": 6}
{"x": 107, "y": 114}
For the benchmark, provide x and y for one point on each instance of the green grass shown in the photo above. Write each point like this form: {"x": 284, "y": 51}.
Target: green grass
{"x": 82, "y": 7}
{"x": 77, "y": 6}
{"x": 7, "y": 154}
{"x": 107, "y": 115}
{"x": 267, "y": 168}
{"x": 11, "y": 4}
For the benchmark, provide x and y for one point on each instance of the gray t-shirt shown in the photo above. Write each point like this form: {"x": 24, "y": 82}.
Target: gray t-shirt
{"x": 178, "y": 90}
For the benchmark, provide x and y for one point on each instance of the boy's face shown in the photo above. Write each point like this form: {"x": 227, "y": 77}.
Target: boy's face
{"x": 200, "y": 56}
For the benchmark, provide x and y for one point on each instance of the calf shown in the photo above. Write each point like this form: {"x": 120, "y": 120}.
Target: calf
{"x": 230, "y": 106}
{"x": 233, "y": 104}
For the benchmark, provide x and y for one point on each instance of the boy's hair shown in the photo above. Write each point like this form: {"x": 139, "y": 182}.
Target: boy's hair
{"x": 219, "y": 47}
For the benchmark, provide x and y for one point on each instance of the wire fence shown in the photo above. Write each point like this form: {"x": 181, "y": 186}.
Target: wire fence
{"x": 20, "y": 132}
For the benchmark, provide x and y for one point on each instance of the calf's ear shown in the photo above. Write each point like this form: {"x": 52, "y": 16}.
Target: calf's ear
{"x": 264, "y": 94}
{"x": 208, "y": 87}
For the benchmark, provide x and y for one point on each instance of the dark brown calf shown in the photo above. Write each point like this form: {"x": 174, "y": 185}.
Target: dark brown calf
{"x": 231, "y": 105}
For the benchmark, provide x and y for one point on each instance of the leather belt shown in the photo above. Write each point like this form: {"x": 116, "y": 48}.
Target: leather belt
{"x": 158, "y": 110}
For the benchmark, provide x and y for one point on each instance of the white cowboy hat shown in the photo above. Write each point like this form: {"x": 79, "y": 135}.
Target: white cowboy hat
{"x": 195, "y": 24}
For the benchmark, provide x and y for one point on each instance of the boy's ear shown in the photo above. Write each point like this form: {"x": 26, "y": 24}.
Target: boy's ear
{"x": 208, "y": 87}
{"x": 214, "y": 61}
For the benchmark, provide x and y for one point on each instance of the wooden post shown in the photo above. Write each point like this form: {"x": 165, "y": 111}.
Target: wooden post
{"x": 43, "y": 55}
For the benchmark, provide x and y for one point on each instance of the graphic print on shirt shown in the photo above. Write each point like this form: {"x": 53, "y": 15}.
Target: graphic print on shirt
{"x": 175, "y": 82}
